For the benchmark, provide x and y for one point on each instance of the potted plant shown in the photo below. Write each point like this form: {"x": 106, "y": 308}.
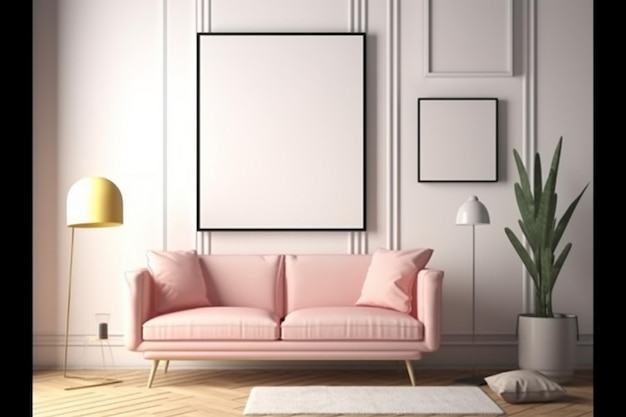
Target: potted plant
{"x": 546, "y": 340}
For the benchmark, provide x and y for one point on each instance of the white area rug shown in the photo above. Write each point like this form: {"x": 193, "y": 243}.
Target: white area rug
{"x": 370, "y": 400}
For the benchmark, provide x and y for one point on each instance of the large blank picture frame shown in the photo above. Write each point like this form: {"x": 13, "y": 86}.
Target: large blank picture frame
{"x": 457, "y": 139}
{"x": 281, "y": 131}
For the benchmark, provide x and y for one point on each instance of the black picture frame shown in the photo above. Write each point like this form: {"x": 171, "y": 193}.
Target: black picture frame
{"x": 457, "y": 139}
{"x": 281, "y": 133}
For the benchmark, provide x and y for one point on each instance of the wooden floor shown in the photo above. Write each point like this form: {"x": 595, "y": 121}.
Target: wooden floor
{"x": 223, "y": 392}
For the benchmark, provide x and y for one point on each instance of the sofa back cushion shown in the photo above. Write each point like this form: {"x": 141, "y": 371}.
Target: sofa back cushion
{"x": 391, "y": 277}
{"x": 324, "y": 280}
{"x": 245, "y": 281}
{"x": 179, "y": 283}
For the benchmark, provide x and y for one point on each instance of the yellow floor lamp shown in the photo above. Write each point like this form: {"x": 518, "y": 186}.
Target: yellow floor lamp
{"x": 92, "y": 202}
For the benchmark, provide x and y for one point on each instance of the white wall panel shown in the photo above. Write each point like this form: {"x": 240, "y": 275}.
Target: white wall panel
{"x": 179, "y": 114}
{"x": 428, "y": 210}
{"x": 105, "y": 99}
{"x": 47, "y": 200}
{"x": 382, "y": 202}
{"x": 114, "y": 95}
{"x": 279, "y": 242}
{"x": 468, "y": 38}
{"x": 565, "y": 108}
{"x": 279, "y": 15}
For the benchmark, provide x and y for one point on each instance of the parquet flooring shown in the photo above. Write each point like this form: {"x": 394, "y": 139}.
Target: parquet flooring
{"x": 224, "y": 392}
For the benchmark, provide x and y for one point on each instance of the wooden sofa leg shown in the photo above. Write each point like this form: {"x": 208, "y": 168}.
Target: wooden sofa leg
{"x": 167, "y": 364}
{"x": 155, "y": 366}
{"x": 409, "y": 368}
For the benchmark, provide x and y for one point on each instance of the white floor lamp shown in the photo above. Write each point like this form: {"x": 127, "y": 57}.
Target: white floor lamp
{"x": 92, "y": 202}
{"x": 472, "y": 213}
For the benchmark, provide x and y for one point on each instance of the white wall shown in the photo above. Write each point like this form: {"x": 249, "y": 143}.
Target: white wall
{"x": 114, "y": 95}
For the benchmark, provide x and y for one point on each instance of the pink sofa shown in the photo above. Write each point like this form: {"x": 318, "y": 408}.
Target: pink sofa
{"x": 380, "y": 306}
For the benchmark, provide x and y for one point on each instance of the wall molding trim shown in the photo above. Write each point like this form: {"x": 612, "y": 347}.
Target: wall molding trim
{"x": 164, "y": 115}
{"x": 392, "y": 102}
{"x": 76, "y": 339}
{"x": 507, "y": 71}
{"x": 358, "y": 19}
{"x": 203, "y": 15}
{"x": 203, "y": 24}
{"x": 529, "y": 113}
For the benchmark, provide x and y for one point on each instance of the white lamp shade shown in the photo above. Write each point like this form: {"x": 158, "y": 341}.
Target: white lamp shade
{"x": 94, "y": 202}
{"x": 472, "y": 212}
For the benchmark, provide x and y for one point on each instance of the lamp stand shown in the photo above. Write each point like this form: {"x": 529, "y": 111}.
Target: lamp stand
{"x": 100, "y": 381}
{"x": 473, "y": 380}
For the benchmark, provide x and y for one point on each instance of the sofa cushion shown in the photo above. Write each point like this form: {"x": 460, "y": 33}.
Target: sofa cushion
{"x": 350, "y": 323}
{"x": 245, "y": 281}
{"x": 179, "y": 280}
{"x": 391, "y": 276}
{"x": 524, "y": 386}
{"x": 309, "y": 279}
{"x": 213, "y": 323}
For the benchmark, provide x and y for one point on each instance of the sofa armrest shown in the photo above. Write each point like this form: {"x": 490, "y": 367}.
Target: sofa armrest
{"x": 429, "y": 305}
{"x": 139, "y": 305}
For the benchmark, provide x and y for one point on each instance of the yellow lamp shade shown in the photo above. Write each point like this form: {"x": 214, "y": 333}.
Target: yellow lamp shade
{"x": 94, "y": 202}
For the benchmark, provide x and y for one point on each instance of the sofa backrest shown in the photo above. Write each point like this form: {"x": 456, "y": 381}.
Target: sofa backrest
{"x": 245, "y": 281}
{"x": 324, "y": 280}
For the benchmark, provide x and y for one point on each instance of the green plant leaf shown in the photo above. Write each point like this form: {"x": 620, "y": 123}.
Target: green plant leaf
{"x": 522, "y": 253}
{"x": 541, "y": 227}
{"x": 562, "y": 224}
{"x": 527, "y": 223}
{"x": 559, "y": 263}
{"x": 537, "y": 184}
{"x": 523, "y": 176}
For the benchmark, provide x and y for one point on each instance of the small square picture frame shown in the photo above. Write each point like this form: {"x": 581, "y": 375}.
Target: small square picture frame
{"x": 457, "y": 139}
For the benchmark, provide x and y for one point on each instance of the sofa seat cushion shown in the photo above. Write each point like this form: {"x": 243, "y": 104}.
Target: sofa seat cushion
{"x": 213, "y": 323}
{"x": 350, "y": 323}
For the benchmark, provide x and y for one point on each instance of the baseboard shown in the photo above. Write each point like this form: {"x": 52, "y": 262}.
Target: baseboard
{"x": 456, "y": 352}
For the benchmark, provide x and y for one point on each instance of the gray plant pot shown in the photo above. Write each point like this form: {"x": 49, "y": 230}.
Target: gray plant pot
{"x": 548, "y": 345}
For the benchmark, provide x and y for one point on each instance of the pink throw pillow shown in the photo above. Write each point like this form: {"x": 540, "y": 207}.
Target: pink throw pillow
{"x": 391, "y": 278}
{"x": 179, "y": 280}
